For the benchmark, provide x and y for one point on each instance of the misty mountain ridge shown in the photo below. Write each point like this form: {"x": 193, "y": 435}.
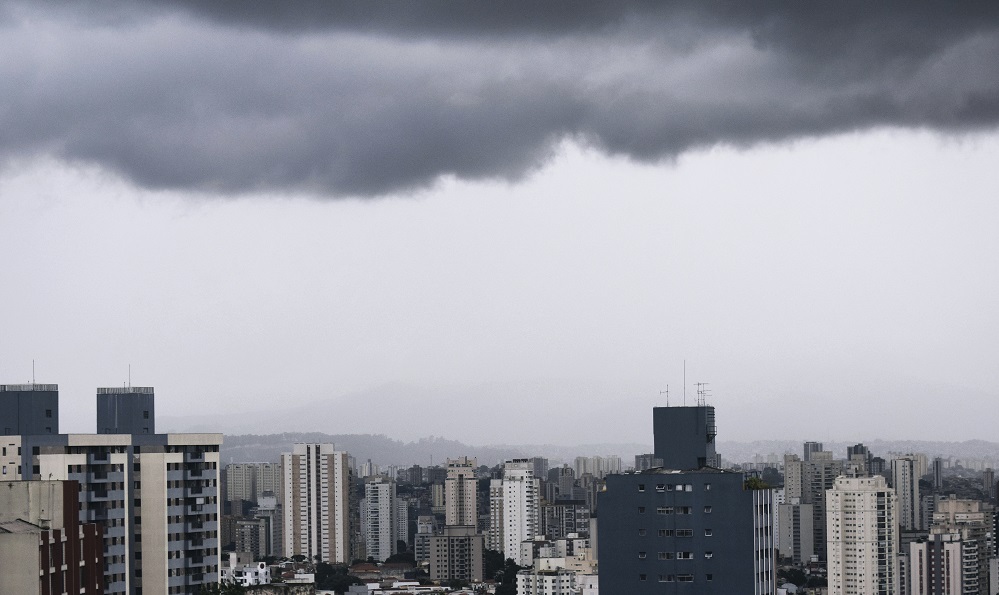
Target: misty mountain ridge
{"x": 435, "y": 450}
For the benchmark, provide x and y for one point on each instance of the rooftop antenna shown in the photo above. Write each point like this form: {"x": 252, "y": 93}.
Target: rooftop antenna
{"x": 702, "y": 393}
{"x": 684, "y": 383}
{"x": 32, "y": 372}
{"x": 665, "y": 392}
{"x": 129, "y": 375}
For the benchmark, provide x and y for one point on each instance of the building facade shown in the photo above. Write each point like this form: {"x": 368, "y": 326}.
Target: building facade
{"x": 460, "y": 490}
{"x": 317, "y": 503}
{"x": 680, "y": 528}
{"x": 862, "y": 537}
{"x": 456, "y": 554}
{"x": 44, "y": 549}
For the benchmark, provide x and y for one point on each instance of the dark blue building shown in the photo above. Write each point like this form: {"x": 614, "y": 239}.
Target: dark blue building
{"x": 686, "y": 527}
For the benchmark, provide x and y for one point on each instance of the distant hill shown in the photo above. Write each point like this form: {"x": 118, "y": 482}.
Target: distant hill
{"x": 386, "y": 451}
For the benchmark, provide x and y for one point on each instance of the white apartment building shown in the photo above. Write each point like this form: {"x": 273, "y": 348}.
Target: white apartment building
{"x": 460, "y": 489}
{"x": 521, "y": 507}
{"x": 380, "y": 517}
{"x": 862, "y": 537}
{"x": 317, "y": 503}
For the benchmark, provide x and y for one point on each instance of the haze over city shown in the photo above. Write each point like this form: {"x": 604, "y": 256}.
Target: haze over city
{"x": 464, "y": 223}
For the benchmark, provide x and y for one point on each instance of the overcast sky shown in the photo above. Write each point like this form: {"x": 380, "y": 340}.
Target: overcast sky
{"x": 506, "y": 222}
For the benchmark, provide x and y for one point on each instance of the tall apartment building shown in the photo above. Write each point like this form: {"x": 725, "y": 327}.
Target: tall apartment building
{"x": 862, "y": 537}
{"x": 797, "y": 537}
{"x": 521, "y": 507}
{"x": 967, "y": 523}
{"x": 250, "y": 481}
{"x": 154, "y": 495}
{"x": 384, "y": 517}
{"x": 806, "y": 482}
{"x": 687, "y": 526}
{"x": 561, "y": 518}
{"x": 460, "y": 491}
{"x": 317, "y": 503}
{"x": 905, "y": 481}
{"x": 811, "y": 447}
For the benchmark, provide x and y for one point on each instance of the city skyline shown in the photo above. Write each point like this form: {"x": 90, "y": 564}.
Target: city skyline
{"x": 521, "y": 213}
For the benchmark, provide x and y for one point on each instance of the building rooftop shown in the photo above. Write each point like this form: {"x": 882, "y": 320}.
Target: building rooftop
{"x": 132, "y": 390}
{"x": 19, "y": 526}
{"x": 28, "y": 387}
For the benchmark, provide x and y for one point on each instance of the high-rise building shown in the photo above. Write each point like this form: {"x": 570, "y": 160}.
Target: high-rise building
{"x": 494, "y": 536}
{"x": 905, "y": 481}
{"x": 460, "y": 491}
{"x": 29, "y": 409}
{"x": 250, "y": 481}
{"x": 797, "y": 537}
{"x": 317, "y": 503}
{"x": 962, "y": 526}
{"x": 686, "y": 522}
{"x": 154, "y": 495}
{"x": 989, "y": 483}
{"x": 938, "y": 467}
{"x": 811, "y": 447}
{"x": 862, "y": 539}
{"x": 561, "y": 518}
{"x": 379, "y": 517}
{"x": 806, "y": 482}
{"x": 423, "y": 537}
{"x": 521, "y": 507}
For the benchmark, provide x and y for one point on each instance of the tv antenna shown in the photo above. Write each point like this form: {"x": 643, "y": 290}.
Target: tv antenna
{"x": 702, "y": 393}
{"x": 665, "y": 392}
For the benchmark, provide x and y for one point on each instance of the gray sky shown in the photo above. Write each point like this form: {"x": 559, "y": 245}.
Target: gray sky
{"x": 515, "y": 212}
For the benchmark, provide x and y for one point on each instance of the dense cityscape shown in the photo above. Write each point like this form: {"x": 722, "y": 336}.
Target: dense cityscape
{"x": 355, "y": 297}
{"x": 127, "y": 510}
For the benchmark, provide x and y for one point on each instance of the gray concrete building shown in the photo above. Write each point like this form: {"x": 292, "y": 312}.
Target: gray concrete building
{"x": 685, "y": 526}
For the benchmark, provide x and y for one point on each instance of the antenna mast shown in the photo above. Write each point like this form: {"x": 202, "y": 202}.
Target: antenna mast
{"x": 702, "y": 393}
{"x": 665, "y": 392}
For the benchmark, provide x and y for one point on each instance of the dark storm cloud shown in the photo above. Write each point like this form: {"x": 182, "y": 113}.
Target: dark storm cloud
{"x": 352, "y": 98}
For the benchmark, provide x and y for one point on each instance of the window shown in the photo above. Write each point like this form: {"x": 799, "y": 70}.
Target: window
{"x": 641, "y": 577}
{"x": 684, "y": 578}
{"x": 684, "y": 555}
{"x": 641, "y": 532}
{"x": 665, "y": 555}
{"x": 641, "y": 555}
{"x": 709, "y": 555}
{"x": 145, "y": 415}
{"x": 667, "y": 578}
{"x": 707, "y": 487}
{"x": 664, "y": 510}
{"x": 683, "y": 510}
{"x": 709, "y": 577}
{"x": 665, "y": 533}
{"x": 707, "y": 509}
{"x": 641, "y": 510}
{"x": 684, "y": 532}
{"x": 48, "y": 413}
{"x": 708, "y": 533}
